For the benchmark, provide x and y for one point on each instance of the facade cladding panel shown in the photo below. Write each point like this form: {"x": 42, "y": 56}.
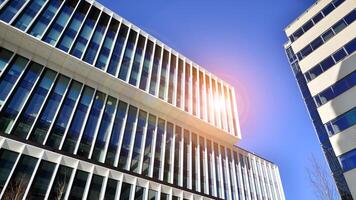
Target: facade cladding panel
{"x": 321, "y": 51}
{"x": 66, "y": 133}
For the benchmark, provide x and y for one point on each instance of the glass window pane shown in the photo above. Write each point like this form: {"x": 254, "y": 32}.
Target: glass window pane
{"x": 348, "y": 160}
{"x": 158, "y": 150}
{"x": 147, "y": 154}
{"x": 339, "y": 55}
{"x": 152, "y": 195}
{"x": 351, "y": 17}
{"x": 211, "y": 161}
{"x": 172, "y": 73}
{"x": 187, "y": 88}
{"x": 139, "y": 193}
{"x": 60, "y": 183}
{"x": 17, "y": 101}
{"x": 351, "y": 47}
{"x": 92, "y": 124}
{"x": 59, "y": 23}
{"x": 34, "y": 103}
{"x": 111, "y": 188}
{"x": 186, "y": 146}
{"x": 154, "y": 71}
{"x": 165, "y": 196}
{"x": 21, "y": 177}
{"x": 42, "y": 178}
{"x": 125, "y": 191}
{"x": 116, "y": 133}
{"x": 5, "y": 56}
{"x": 164, "y": 68}
{"x": 116, "y": 54}
{"x": 327, "y": 35}
{"x": 318, "y": 17}
{"x": 10, "y": 76}
{"x": 7, "y": 160}
{"x": 78, "y": 186}
{"x": 71, "y": 30}
{"x": 137, "y": 61}
{"x": 77, "y": 121}
{"x": 128, "y": 54}
{"x": 202, "y": 164}
{"x": 25, "y": 18}
{"x": 96, "y": 39}
{"x": 125, "y": 147}
{"x": 328, "y": 9}
{"x": 63, "y": 116}
{"x": 46, "y": 118}
{"x": 10, "y": 10}
{"x": 195, "y": 92}
{"x": 136, "y": 153}
{"x": 168, "y": 153}
{"x": 85, "y": 33}
{"x": 107, "y": 45}
{"x": 146, "y": 65}
{"x": 177, "y": 149}
{"x": 104, "y": 130}
{"x": 95, "y": 187}
{"x": 339, "y": 26}
{"x": 195, "y": 180}
{"x": 44, "y": 18}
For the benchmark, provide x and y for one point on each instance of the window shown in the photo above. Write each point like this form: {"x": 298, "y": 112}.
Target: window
{"x": 91, "y": 124}
{"x": 318, "y": 17}
{"x": 164, "y": 68}
{"x": 339, "y": 26}
{"x": 63, "y": 116}
{"x": 5, "y": 56}
{"x": 78, "y": 187}
{"x": 195, "y": 92}
{"x": 154, "y": 71}
{"x": 327, "y": 35}
{"x": 168, "y": 152}
{"x": 210, "y": 166}
{"x": 137, "y": 61}
{"x": 136, "y": 153}
{"x": 146, "y": 65}
{"x": 125, "y": 191}
{"x": 34, "y": 103}
{"x": 152, "y": 195}
{"x": 47, "y": 115}
{"x": 172, "y": 73}
{"x": 10, "y": 10}
{"x": 308, "y": 25}
{"x": 208, "y": 97}
{"x": 57, "y": 26}
{"x": 339, "y": 55}
{"x": 78, "y": 119}
{"x": 128, "y": 54}
{"x": 60, "y": 183}
{"x": 116, "y": 133}
{"x": 10, "y": 76}
{"x": 177, "y": 150}
{"x": 21, "y": 176}
{"x": 317, "y": 43}
{"x": 327, "y": 63}
{"x": 94, "y": 44}
{"x": 165, "y": 196}
{"x": 7, "y": 160}
{"x": 186, "y": 158}
{"x": 328, "y": 9}
{"x": 105, "y": 49}
{"x": 351, "y": 17}
{"x": 85, "y": 33}
{"x": 342, "y": 122}
{"x": 95, "y": 187}
{"x": 139, "y": 193}
{"x": 194, "y": 160}
{"x": 41, "y": 182}
{"x": 71, "y": 30}
{"x": 187, "y": 85}
{"x": 159, "y": 148}
{"x": 26, "y": 16}
{"x": 104, "y": 130}
{"x": 180, "y": 82}
{"x": 202, "y": 94}
{"x": 202, "y": 164}
{"x": 351, "y": 47}
{"x": 18, "y": 99}
{"x": 126, "y": 142}
{"x": 40, "y": 24}
{"x": 348, "y": 160}
{"x": 111, "y": 187}
{"x": 147, "y": 154}
{"x": 116, "y": 54}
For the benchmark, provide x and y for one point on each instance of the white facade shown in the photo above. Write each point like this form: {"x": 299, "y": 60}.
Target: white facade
{"x": 321, "y": 50}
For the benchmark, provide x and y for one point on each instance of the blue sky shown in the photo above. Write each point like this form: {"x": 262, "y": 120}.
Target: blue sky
{"x": 242, "y": 43}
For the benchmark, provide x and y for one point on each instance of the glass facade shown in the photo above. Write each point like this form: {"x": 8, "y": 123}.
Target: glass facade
{"x": 94, "y": 36}
{"x": 90, "y": 141}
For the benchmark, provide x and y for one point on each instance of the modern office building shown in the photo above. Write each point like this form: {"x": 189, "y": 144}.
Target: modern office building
{"x": 92, "y": 107}
{"x": 321, "y": 51}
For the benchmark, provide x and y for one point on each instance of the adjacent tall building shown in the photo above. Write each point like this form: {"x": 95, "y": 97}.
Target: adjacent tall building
{"x": 92, "y": 107}
{"x": 321, "y": 51}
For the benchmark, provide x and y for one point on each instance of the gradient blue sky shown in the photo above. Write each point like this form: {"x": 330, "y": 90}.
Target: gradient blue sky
{"x": 242, "y": 43}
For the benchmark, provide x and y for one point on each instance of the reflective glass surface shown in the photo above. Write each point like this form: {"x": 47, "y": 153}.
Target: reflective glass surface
{"x": 136, "y": 153}
{"x": 116, "y": 54}
{"x": 7, "y": 160}
{"x": 154, "y": 71}
{"x": 10, "y": 9}
{"x": 41, "y": 181}
{"x": 137, "y": 61}
{"x": 78, "y": 187}
{"x": 146, "y": 65}
{"x": 128, "y": 54}
{"x": 147, "y": 154}
{"x": 24, "y": 19}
